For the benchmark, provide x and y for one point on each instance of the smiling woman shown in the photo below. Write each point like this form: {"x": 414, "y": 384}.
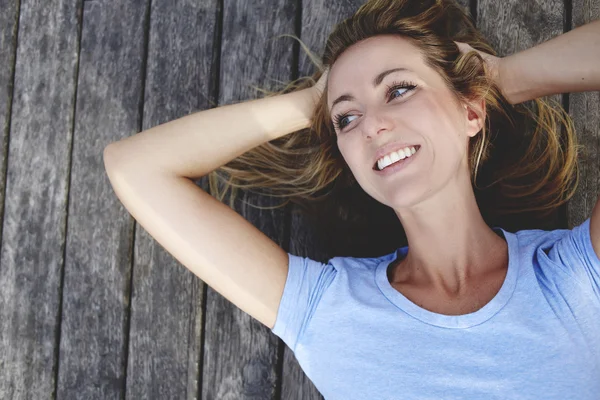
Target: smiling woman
{"x": 415, "y": 88}
{"x": 423, "y": 130}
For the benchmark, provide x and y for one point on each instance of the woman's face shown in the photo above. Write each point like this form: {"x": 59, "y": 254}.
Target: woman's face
{"x": 418, "y": 109}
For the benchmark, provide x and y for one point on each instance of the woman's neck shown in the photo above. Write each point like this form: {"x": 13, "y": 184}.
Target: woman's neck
{"x": 450, "y": 245}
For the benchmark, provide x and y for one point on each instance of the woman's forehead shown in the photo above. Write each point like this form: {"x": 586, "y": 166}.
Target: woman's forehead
{"x": 369, "y": 52}
{"x": 365, "y": 62}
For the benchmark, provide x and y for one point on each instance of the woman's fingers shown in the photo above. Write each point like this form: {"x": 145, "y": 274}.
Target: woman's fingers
{"x": 464, "y": 47}
{"x": 492, "y": 62}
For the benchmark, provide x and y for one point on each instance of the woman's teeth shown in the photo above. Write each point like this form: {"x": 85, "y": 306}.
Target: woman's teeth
{"x": 395, "y": 156}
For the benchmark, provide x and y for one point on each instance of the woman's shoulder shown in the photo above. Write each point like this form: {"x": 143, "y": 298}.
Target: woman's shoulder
{"x": 363, "y": 263}
{"x": 539, "y": 237}
{"x": 566, "y": 250}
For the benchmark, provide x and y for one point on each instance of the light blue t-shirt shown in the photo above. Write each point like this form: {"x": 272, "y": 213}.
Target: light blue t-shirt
{"x": 356, "y": 337}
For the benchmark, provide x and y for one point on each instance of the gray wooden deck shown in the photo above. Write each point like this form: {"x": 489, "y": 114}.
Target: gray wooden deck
{"x": 91, "y": 307}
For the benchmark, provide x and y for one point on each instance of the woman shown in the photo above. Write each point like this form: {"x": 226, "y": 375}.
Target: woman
{"x": 470, "y": 311}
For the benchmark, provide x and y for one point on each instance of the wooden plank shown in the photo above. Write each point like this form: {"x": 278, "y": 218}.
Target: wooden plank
{"x": 36, "y": 189}
{"x": 318, "y": 20}
{"x": 166, "y": 318}
{"x": 516, "y": 25}
{"x": 96, "y": 295}
{"x": 241, "y": 354}
{"x": 584, "y": 108}
{"x": 8, "y": 43}
{"x": 512, "y": 26}
{"x": 8, "y": 46}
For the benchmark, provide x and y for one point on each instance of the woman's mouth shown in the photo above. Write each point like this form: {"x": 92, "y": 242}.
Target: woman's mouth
{"x": 389, "y": 168}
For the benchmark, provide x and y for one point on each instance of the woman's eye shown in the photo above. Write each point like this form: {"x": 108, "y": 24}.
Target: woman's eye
{"x": 339, "y": 119}
{"x": 393, "y": 90}
{"x": 405, "y": 87}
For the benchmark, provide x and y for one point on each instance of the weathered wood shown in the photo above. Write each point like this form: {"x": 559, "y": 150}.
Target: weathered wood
{"x": 241, "y": 355}
{"x": 8, "y": 44}
{"x": 584, "y": 108}
{"x": 96, "y": 294}
{"x": 36, "y": 192}
{"x": 515, "y": 25}
{"x": 166, "y": 316}
{"x": 318, "y": 20}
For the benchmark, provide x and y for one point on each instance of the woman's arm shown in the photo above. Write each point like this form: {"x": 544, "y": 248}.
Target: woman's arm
{"x": 565, "y": 64}
{"x": 150, "y": 173}
{"x": 194, "y": 145}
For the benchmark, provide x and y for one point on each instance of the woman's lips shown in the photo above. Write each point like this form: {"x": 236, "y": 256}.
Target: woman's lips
{"x": 417, "y": 147}
{"x": 397, "y": 166}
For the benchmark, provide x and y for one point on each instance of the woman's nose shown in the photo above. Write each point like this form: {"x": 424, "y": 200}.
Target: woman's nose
{"x": 376, "y": 123}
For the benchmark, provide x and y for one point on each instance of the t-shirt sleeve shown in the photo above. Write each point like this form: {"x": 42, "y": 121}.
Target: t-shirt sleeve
{"x": 575, "y": 252}
{"x": 306, "y": 282}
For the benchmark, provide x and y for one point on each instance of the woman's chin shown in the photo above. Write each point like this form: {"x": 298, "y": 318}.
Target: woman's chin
{"x": 398, "y": 199}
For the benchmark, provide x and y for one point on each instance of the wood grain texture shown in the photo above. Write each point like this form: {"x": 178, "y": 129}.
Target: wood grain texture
{"x": 318, "y": 21}
{"x": 584, "y": 108}
{"x": 8, "y": 44}
{"x": 167, "y": 299}
{"x": 515, "y": 25}
{"x": 96, "y": 294}
{"x": 36, "y": 194}
{"x": 241, "y": 355}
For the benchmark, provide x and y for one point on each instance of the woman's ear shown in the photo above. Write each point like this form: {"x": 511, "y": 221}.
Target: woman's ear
{"x": 475, "y": 116}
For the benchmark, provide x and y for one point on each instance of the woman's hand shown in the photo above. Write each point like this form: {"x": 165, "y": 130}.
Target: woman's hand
{"x": 492, "y": 63}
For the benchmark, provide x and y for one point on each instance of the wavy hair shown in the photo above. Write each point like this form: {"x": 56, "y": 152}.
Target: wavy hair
{"x": 523, "y": 162}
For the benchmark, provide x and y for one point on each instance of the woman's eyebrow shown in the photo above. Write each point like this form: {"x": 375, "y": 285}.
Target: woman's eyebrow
{"x": 376, "y": 82}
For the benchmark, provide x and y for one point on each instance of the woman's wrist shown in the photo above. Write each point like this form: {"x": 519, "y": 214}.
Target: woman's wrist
{"x": 516, "y": 86}
{"x": 565, "y": 64}
{"x": 309, "y": 99}
{"x": 495, "y": 68}
{"x": 504, "y": 81}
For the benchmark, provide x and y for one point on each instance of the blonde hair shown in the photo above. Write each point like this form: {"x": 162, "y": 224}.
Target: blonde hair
{"x": 523, "y": 161}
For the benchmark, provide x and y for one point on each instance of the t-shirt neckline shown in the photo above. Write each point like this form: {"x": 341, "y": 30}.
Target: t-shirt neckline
{"x": 452, "y": 321}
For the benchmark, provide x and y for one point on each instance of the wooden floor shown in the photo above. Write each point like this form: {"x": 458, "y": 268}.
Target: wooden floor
{"x": 91, "y": 307}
